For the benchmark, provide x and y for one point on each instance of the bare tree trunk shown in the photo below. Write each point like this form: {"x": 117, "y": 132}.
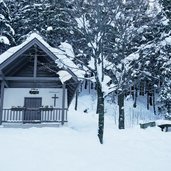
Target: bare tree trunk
{"x": 76, "y": 100}
{"x": 85, "y": 81}
{"x": 135, "y": 96}
{"x": 100, "y": 110}
{"x": 154, "y": 103}
{"x": 85, "y": 85}
{"x": 148, "y": 95}
{"x": 142, "y": 88}
{"x": 121, "y": 111}
{"x": 132, "y": 92}
{"x": 151, "y": 99}
{"x": 151, "y": 93}
{"x": 148, "y": 101}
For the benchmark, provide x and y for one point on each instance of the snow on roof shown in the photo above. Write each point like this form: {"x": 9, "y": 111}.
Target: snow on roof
{"x": 162, "y": 121}
{"x": 63, "y": 54}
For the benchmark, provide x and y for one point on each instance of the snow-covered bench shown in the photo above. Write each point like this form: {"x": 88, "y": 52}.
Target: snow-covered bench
{"x": 147, "y": 124}
{"x": 164, "y": 127}
{"x": 164, "y": 124}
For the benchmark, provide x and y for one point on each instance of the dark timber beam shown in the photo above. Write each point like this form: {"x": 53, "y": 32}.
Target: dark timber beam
{"x": 3, "y": 78}
{"x": 30, "y": 79}
{"x": 1, "y": 100}
{"x": 15, "y": 69}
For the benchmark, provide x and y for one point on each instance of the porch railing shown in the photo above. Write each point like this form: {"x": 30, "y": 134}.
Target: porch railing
{"x": 20, "y": 116}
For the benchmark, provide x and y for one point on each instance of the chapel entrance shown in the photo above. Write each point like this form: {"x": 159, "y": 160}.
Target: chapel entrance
{"x": 32, "y": 112}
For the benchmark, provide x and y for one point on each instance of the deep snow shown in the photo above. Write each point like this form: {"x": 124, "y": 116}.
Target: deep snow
{"x": 75, "y": 147}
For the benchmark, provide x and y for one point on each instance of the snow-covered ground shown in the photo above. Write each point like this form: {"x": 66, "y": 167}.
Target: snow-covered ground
{"x": 75, "y": 147}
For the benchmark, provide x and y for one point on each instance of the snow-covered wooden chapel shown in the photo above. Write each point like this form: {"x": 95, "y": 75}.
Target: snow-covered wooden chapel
{"x": 32, "y": 88}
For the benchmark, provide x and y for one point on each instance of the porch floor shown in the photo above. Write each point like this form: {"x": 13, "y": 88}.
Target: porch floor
{"x": 31, "y": 125}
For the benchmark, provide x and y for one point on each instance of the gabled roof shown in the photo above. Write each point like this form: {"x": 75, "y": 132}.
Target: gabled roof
{"x": 60, "y": 56}
{"x": 15, "y": 56}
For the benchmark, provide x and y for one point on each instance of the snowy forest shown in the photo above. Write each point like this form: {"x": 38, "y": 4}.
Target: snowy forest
{"x": 123, "y": 46}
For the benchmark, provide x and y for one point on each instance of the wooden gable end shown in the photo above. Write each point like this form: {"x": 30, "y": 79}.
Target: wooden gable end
{"x": 31, "y": 66}
{"x": 24, "y": 65}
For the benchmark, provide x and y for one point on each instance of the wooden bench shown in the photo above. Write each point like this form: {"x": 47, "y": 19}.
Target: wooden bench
{"x": 148, "y": 124}
{"x": 164, "y": 126}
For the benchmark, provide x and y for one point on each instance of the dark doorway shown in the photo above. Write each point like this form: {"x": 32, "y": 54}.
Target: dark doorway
{"x": 32, "y": 112}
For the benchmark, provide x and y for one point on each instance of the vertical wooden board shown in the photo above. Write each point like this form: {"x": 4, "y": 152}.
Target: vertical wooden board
{"x": 1, "y": 100}
{"x": 63, "y": 103}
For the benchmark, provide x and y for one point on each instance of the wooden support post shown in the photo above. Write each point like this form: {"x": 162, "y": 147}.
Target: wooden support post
{"x": 35, "y": 67}
{"x": 1, "y": 100}
{"x": 63, "y": 103}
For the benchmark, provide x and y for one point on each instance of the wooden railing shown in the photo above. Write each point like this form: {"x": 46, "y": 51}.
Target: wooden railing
{"x": 22, "y": 115}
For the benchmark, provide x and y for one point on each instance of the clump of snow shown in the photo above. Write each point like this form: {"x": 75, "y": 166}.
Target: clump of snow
{"x": 5, "y": 40}
{"x": 50, "y": 28}
{"x": 160, "y": 122}
{"x": 141, "y": 29}
{"x": 165, "y": 21}
{"x": 64, "y": 75}
{"x": 166, "y": 41}
{"x": 119, "y": 15}
{"x": 67, "y": 48}
{"x": 131, "y": 57}
{"x": 82, "y": 22}
{"x": 2, "y": 16}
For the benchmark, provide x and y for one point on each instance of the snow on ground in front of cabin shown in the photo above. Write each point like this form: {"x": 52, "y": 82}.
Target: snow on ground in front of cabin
{"x": 75, "y": 147}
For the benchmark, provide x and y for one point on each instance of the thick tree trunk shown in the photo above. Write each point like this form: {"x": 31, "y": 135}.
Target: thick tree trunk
{"x": 98, "y": 103}
{"x": 148, "y": 95}
{"x": 154, "y": 103}
{"x": 85, "y": 85}
{"x": 100, "y": 110}
{"x": 135, "y": 96}
{"x": 148, "y": 101}
{"x": 132, "y": 92}
{"x": 151, "y": 100}
{"x": 121, "y": 111}
{"x": 142, "y": 88}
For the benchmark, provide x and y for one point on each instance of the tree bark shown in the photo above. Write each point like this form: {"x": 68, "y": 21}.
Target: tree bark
{"x": 154, "y": 103}
{"x": 121, "y": 111}
{"x": 148, "y": 101}
{"x": 148, "y": 95}
{"x": 76, "y": 100}
{"x": 100, "y": 110}
{"x": 132, "y": 92}
{"x": 142, "y": 88}
{"x": 135, "y": 96}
